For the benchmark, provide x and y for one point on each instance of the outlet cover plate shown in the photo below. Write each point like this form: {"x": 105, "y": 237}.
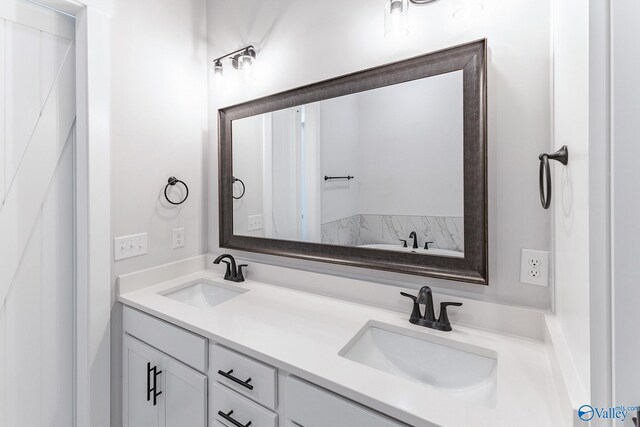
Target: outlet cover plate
{"x": 534, "y": 267}
{"x": 129, "y": 246}
{"x": 178, "y": 238}
{"x": 254, "y": 222}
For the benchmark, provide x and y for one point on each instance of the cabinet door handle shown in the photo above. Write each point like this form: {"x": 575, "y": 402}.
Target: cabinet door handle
{"x": 149, "y": 390}
{"x": 228, "y": 376}
{"x": 228, "y": 417}
{"x": 153, "y": 389}
{"x": 155, "y": 385}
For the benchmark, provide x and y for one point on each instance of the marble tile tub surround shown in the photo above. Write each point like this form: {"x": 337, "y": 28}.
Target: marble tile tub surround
{"x": 365, "y": 229}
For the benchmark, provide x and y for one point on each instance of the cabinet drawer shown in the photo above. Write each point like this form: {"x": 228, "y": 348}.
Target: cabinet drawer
{"x": 310, "y": 406}
{"x": 187, "y": 347}
{"x": 227, "y": 365}
{"x": 244, "y": 411}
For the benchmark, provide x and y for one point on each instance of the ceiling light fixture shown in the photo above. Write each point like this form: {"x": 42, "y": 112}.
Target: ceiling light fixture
{"x": 241, "y": 60}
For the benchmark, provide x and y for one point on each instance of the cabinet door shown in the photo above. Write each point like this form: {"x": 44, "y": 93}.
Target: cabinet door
{"x": 136, "y": 410}
{"x": 184, "y": 395}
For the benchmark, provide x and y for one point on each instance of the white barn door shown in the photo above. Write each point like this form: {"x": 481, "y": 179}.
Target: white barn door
{"x": 37, "y": 131}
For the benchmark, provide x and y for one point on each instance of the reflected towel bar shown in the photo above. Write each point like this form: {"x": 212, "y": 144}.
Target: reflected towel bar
{"x": 329, "y": 178}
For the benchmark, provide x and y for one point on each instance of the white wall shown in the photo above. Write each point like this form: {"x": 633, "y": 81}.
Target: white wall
{"x": 625, "y": 200}
{"x": 571, "y": 184}
{"x": 158, "y": 121}
{"x": 158, "y": 129}
{"x": 410, "y": 148}
{"x": 301, "y": 42}
{"x": 247, "y": 165}
{"x": 340, "y": 154}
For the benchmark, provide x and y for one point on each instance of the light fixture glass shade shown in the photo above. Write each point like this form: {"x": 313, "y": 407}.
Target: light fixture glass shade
{"x": 396, "y": 19}
{"x": 217, "y": 69}
{"x": 245, "y": 61}
{"x": 463, "y": 9}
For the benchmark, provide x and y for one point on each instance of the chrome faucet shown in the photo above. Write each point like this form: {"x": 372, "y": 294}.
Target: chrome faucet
{"x": 232, "y": 274}
{"x": 428, "y": 320}
{"x": 414, "y": 236}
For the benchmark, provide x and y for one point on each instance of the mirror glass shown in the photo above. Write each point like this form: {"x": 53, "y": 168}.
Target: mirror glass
{"x": 373, "y": 169}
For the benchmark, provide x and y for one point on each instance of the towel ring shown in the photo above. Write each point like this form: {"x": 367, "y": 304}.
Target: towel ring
{"x": 562, "y": 156}
{"x": 243, "y": 188}
{"x": 171, "y": 182}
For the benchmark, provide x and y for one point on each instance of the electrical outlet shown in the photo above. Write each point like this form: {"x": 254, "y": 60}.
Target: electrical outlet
{"x": 255, "y": 222}
{"x": 178, "y": 238}
{"x": 129, "y": 246}
{"x": 534, "y": 267}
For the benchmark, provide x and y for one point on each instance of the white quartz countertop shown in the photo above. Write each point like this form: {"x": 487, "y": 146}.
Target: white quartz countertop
{"x": 303, "y": 333}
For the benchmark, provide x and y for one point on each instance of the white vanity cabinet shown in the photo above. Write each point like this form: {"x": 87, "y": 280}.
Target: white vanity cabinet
{"x": 175, "y": 378}
{"x": 158, "y": 390}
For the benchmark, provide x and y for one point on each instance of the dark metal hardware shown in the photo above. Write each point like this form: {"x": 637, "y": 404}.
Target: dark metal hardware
{"x": 404, "y": 243}
{"x": 228, "y": 376}
{"x": 443, "y": 323}
{"x": 414, "y": 236}
{"x": 155, "y": 386}
{"x": 428, "y": 320}
{"x": 149, "y": 382}
{"x": 228, "y": 417}
{"x": 240, "y": 275}
{"x": 329, "y": 178}
{"x": 244, "y": 189}
{"x": 152, "y": 390}
{"x": 562, "y": 156}
{"x": 415, "y": 312}
{"x": 233, "y": 273}
{"x": 171, "y": 182}
{"x": 425, "y": 296}
{"x": 426, "y": 245}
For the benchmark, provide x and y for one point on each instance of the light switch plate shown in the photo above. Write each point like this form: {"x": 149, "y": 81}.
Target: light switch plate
{"x": 255, "y": 222}
{"x": 178, "y": 238}
{"x": 534, "y": 267}
{"x": 130, "y": 246}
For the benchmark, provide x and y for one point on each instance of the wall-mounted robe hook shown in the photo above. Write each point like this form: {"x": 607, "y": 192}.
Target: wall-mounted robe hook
{"x": 562, "y": 156}
{"x": 170, "y": 183}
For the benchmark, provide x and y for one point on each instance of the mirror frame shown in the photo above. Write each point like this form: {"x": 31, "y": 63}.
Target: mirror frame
{"x": 473, "y": 268}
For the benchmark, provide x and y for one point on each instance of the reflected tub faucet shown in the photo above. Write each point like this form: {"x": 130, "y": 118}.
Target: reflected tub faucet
{"x": 414, "y": 236}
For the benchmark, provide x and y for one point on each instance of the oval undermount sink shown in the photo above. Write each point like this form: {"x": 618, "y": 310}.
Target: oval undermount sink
{"x": 458, "y": 368}
{"x": 203, "y": 294}
{"x": 419, "y": 251}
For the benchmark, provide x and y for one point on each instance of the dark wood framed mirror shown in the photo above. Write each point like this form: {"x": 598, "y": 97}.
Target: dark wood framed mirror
{"x": 346, "y": 170}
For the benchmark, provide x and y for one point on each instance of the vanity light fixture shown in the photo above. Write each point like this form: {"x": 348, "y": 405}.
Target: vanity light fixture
{"x": 241, "y": 60}
{"x": 396, "y": 17}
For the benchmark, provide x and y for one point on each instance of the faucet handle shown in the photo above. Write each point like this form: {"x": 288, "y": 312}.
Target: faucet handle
{"x": 227, "y": 274}
{"x": 404, "y": 244}
{"x": 415, "y": 312}
{"x": 240, "y": 276}
{"x": 443, "y": 323}
{"x": 426, "y": 245}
